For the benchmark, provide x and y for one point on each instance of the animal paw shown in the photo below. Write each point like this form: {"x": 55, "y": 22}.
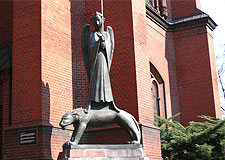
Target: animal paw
{"x": 135, "y": 142}
{"x": 132, "y": 142}
{"x": 69, "y": 143}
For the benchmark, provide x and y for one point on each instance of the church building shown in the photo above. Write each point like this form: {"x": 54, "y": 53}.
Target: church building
{"x": 163, "y": 64}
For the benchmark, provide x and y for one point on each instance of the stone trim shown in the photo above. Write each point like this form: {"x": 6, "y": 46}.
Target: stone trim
{"x": 106, "y": 152}
{"x": 171, "y": 25}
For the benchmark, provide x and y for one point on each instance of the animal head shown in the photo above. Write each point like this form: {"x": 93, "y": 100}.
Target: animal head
{"x": 70, "y": 118}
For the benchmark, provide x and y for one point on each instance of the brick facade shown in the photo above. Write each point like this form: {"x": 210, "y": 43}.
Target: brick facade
{"x": 49, "y": 78}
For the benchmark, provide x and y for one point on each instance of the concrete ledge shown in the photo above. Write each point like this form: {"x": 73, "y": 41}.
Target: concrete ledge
{"x": 98, "y": 146}
{"x": 106, "y": 152}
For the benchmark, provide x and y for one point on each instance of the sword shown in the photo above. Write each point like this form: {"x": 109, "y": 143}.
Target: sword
{"x": 102, "y": 17}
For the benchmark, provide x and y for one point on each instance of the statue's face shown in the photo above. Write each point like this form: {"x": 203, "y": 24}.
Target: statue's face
{"x": 67, "y": 119}
{"x": 97, "y": 22}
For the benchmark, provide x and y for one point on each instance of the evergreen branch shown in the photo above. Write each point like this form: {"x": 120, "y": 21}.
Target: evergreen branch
{"x": 209, "y": 130}
{"x": 199, "y": 140}
{"x": 172, "y": 118}
{"x": 210, "y": 119}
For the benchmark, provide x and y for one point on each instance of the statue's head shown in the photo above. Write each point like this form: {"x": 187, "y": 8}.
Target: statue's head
{"x": 70, "y": 118}
{"x": 97, "y": 19}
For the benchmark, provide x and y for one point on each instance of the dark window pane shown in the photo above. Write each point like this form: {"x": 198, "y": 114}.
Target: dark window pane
{"x": 155, "y": 97}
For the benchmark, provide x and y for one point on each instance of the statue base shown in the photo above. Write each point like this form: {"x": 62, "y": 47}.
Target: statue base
{"x": 103, "y": 152}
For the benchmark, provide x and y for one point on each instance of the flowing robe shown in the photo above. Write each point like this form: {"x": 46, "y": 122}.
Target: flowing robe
{"x": 100, "y": 62}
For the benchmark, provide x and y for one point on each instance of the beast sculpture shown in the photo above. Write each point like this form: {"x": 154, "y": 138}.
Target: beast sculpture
{"x": 98, "y": 50}
{"x": 97, "y": 118}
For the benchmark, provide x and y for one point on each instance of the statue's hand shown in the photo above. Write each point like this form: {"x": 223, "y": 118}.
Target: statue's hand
{"x": 103, "y": 44}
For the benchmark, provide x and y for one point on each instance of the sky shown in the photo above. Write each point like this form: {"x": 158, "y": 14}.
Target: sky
{"x": 216, "y": 10}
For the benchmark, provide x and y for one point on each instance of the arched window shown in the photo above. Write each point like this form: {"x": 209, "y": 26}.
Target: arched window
{"x": 158, "y": 92}
{"x": 155, "y": 93}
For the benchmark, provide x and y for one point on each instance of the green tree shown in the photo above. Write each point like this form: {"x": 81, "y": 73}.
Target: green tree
{"x": 198, "y": 141}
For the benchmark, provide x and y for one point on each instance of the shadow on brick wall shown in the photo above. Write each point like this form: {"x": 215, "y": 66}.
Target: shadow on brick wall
{"x": 79, "y": 76}
{"x": 45, "y": 132}
{"x": 171, "y": 58}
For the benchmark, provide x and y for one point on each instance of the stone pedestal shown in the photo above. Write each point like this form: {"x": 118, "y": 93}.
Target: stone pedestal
{"x": 104, "y": 152}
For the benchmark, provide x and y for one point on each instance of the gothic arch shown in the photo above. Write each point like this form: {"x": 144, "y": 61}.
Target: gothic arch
{"x": 158, "y": 92}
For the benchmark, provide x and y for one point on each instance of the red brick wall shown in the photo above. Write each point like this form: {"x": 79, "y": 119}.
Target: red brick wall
{"x": 110, "y": 135}
{"x": 149, "y": 43}
{"x": 49, "y": 77}
{"x": 123, "y": 71}
{"x": 26, "y": 68}
{"x": 26, "y": 83}
{"x": 42, "y": 74}
{"x": 182, "y": 8}
{"x": 80, "y": 81}
{"x": 195, "y": 65}
{"x": 56, "y": 60}
{"x": 151, "y": 142}
{"x": 5, "y": 103}
{"x": 14, "y": 151}
{"x": 58, "y": 38}
{"x": 6, "y": 23}
{"x": 6, "y": 18}
{"x": 174, "y": 92}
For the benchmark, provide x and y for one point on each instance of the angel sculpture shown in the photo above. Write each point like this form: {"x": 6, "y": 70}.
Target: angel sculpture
{"x": 97, "y": 48}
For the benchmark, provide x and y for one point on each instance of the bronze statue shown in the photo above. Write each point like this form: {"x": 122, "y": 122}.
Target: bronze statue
{"x": 99, "y": 118}
{"x": 98, "y": 47}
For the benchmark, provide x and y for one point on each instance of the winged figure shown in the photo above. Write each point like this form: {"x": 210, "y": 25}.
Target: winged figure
{"x": 97, "y": 48}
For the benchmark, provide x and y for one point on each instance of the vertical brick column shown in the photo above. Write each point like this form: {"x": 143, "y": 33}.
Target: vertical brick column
{"x": 5, "y": 104}
{"x": 174, "y": 92}
{"x": 196, "y": 74}
{"x": 26, "y": 79}
{"x": 6, "y": 24}
{"x": 42, "y": 77}
{"x": 6, "y": 16}
{"x": 56, "y": 60}
{"x": 80, "y": 80}
{"x": 149, "y": 43}
{"x": 196, "y": 91}
{"x": 56, "y": 71}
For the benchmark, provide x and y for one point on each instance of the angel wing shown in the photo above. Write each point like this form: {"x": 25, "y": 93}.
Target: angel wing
{"x": 111, "y": 49}
{"x": 84, "y": 44}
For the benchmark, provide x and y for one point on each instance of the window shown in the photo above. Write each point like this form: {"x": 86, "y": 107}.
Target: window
{"x": 155, "y": 94}
{"x": 158, "y": 92}
{"x": 158, "y": 6}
